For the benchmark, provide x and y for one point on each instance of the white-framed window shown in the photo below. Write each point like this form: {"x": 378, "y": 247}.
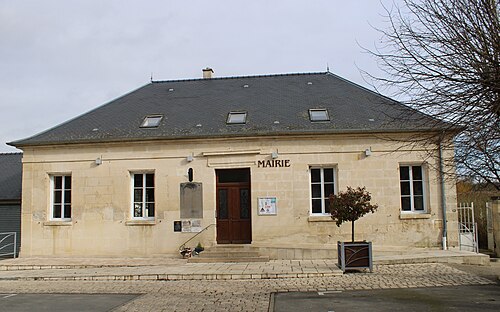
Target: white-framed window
{"x": 152, "y": 121}
{"x": 322, "y": 185}
{"x": 236, "y": 118}
{"x": 412, "y": 187}
{"x": 319, "y": 114}
{"x": 60, "y": 197}
{"x": 143, "y": 195}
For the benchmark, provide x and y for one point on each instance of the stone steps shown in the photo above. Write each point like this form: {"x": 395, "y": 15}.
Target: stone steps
{"x": 198, "y": 259}
{"x": 229, "y": 254}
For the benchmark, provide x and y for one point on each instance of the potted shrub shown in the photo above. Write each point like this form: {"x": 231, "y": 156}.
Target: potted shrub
{"x": 351, "y": 205}
{"x": 199, "y": 248}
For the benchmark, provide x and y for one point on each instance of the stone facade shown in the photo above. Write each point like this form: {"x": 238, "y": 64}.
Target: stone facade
{"x": 101, "y": 222}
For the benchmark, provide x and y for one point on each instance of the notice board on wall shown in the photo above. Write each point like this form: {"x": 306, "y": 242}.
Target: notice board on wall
{"x": 267, "y": 206}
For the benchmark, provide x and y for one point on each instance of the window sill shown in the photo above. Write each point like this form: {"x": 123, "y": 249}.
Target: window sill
{"x": 407, "y": 216}
{"x": 140, "y": 222}
{"x": 58, "y": 223}
{"x": 320, "y": 219}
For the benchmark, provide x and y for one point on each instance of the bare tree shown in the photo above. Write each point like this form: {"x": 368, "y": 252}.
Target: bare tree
{"x": 441, "y": 57}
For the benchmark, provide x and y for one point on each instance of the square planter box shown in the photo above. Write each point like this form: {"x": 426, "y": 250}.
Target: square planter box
{"x": 357, "y": 255}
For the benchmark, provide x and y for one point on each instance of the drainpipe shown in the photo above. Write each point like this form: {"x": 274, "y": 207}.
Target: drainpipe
{"x": 443, "y": 195}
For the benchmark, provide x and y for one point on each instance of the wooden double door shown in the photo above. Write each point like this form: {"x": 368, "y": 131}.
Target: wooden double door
{"x": 234, "y": 223}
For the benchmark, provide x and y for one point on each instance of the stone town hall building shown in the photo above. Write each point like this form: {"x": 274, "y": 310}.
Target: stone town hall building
{"x": 245, "y": 160}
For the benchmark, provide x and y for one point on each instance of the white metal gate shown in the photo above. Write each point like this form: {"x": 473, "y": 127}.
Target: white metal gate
{"x": 489, "y": 227}
{"x": 8, "y": 244}
{"x": 467, "y": 228}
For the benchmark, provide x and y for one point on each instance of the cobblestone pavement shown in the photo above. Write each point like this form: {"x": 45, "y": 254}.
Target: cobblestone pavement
{"x": 248, "y": 295}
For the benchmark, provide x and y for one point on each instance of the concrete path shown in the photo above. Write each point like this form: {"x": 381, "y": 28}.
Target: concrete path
{"x": 451, "y": 298}
{"x": 421, "y": 255}
{"x": 63, "y": 302}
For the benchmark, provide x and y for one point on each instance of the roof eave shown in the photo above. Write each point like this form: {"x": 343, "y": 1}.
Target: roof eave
{"x": 20, "y": 144}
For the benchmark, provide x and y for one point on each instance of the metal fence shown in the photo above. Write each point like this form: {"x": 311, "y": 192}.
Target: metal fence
{"x": 8, "y": 244}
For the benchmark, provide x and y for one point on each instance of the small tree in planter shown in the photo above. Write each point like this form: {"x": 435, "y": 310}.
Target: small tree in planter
{"x": 351, "y": 205}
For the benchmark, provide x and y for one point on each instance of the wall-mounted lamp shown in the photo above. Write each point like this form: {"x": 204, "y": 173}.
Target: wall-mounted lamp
{"x": 98, "y": 161}
{"x": 190, "y": 174}
{"x": 274, "y": 155}
{"x": 368, "y": 152}
{"x": 189, "y": 158}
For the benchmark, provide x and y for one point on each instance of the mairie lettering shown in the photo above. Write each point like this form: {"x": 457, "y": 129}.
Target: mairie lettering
{"x": 273, "y": 163}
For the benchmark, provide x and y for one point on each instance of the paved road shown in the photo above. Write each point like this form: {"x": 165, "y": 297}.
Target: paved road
{"x": 62, "y": 302}
{"x": 248, "y": 295}
{"x": 491, "y": 272}
{"x": 458, "y": 298}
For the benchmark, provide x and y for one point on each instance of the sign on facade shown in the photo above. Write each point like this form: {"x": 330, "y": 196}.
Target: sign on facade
{"x": 267, "y": 206}
{"x": 188, "y": 226}
{"x": 273, "y": 163}
{"x": 191, "y": 195}
{"x": 177, "y": 226}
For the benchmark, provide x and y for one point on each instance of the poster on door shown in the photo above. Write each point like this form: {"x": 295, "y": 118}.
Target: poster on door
{"x": 267, "y": 206}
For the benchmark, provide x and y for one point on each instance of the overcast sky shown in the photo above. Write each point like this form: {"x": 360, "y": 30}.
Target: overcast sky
{"x": 60, "y": 59}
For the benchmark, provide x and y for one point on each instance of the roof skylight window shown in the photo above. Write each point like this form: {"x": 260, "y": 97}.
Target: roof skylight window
{"x": 151, "y": 121}
{"x": 319, "y": 115}
{"x": 236, "y": 118}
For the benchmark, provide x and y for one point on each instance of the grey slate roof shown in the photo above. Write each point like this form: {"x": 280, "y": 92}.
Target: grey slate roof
{"x": 10, "y": 176}
{"x": 198, "y": 108}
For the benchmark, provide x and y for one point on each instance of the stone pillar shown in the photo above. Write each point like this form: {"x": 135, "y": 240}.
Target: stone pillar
{"x": 495, "y": 209}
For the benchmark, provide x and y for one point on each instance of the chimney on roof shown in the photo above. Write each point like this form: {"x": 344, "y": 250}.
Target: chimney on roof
{"x": 207, "y": 73}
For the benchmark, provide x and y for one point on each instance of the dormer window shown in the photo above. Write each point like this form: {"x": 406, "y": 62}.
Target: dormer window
{"x": 319, "y": 115}
{"x": 236, "y": 118}
{"x": 152, "y": 121}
